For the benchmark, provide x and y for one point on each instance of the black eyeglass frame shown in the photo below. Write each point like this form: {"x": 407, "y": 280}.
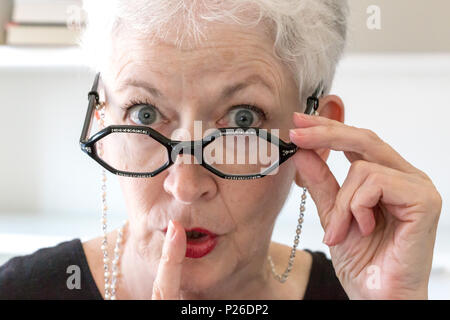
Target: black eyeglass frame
{"x": 286, "y": 150}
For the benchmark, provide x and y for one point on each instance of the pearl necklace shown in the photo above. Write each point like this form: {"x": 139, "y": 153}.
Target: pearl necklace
{"x": 110, "y": 287}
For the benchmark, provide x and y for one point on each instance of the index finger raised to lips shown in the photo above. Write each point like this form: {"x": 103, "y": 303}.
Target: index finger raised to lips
{"x": 167, "y": 283}
{"x": 314, "y": 132}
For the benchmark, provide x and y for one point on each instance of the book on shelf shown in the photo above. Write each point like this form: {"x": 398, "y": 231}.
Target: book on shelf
{"x": 45, "y": 22}
{"x": 23, "y": 34}
{"x": 46, "y": 11}
{"x": 5, "y": 16}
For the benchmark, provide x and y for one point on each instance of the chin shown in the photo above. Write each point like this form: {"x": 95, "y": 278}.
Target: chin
{"x": 200, "y": 275}
{"x": 198, "y": 283}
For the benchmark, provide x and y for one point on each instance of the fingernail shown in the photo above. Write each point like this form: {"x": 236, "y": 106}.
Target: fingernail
{"x": 297, "y": 133}
{"x": 292, "y": 133}
{"x": 171, "y": 231}
{"x": 327, "y": 237}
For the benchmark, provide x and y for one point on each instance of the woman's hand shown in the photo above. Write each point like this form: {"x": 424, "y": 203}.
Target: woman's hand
{"x": 381, "y": 223}
{"x": 167, "y": 282}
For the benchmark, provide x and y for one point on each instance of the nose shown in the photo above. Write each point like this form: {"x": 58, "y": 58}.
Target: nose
{"x": 188, "y": 182}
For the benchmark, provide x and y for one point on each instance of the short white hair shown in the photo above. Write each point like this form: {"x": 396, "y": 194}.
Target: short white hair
{"x": 309, "y": 35}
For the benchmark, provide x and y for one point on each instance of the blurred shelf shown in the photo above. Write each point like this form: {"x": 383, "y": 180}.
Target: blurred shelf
{"x": 71, "y": 56}
{"x": 40, "y": 56}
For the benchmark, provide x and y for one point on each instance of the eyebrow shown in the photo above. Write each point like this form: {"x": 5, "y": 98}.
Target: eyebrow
{"x": 252, "y": 79}
{"x": 140, "y": 84}
{"x": 227, "y": 92}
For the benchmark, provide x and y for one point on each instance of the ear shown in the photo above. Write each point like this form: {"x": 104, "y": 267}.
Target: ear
{"x": 331, "y": 107}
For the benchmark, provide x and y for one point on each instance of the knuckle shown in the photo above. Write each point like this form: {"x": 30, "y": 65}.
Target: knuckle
{"x": 374, "y": 141}
{"x": 165, "y": 258}
{"x": 423, "y": 175}
{"x": 358, "y": 166}
{"x": 371, "y": 135}
{"x": 439, "y": 200}
{"x": 436, "y": 200}
{"x": 329, "y": 130}
{"x": 322, "y": 130}
{"x": 354, "y": 205}
{"x": 374, "y": 178}
{"x": 433, "y": 196}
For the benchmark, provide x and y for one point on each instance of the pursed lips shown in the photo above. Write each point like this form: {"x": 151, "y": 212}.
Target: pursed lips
{"x": 198, "y": 230}
{"x": 200, "y": 242}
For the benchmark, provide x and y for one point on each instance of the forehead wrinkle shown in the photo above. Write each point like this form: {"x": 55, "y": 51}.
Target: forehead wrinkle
{"x": 136, "y": 81}
{"x": 265, "y": 66}
{"x": 271, "y": 72}
{"x": 219, "y": 57}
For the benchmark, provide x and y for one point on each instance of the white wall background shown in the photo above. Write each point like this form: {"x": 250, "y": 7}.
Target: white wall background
{"x": 50, "y": 190}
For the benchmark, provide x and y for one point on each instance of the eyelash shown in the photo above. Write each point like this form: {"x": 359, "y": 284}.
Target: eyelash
{"x": 134, "y": 102}
{"x": 259, "y": 111}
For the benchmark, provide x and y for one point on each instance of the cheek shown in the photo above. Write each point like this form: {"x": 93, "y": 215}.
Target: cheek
{"x": 255, "y": 205}
{"x": 265, "y": 197}
{"x": 140, "y": 194}
{"x": 113, "y": 114}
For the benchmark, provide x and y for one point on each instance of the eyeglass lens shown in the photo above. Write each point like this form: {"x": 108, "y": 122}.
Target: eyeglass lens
{"x": 233, "y": 154}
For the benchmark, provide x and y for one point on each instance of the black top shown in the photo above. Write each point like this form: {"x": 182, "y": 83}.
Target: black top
{"x": 49, "y": 272}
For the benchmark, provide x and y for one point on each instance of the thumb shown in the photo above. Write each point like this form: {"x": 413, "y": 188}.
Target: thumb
{"x": 168, "y": 278}
{"x": 315, "y": 175}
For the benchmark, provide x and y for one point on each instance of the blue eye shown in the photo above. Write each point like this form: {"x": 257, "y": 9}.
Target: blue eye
{"x": 245, "y": 116}
{"x": 144, "y": 114}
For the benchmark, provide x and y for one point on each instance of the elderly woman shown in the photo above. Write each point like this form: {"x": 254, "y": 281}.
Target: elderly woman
{"x": 178, "y": 83}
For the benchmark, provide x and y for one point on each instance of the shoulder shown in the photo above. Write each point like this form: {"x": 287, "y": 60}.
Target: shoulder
{"x": 46, "y": 274}
{"x": 323, "y": 283}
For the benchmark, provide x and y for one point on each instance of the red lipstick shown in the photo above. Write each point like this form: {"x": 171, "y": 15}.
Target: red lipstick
{"x": 200, "y": 242}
